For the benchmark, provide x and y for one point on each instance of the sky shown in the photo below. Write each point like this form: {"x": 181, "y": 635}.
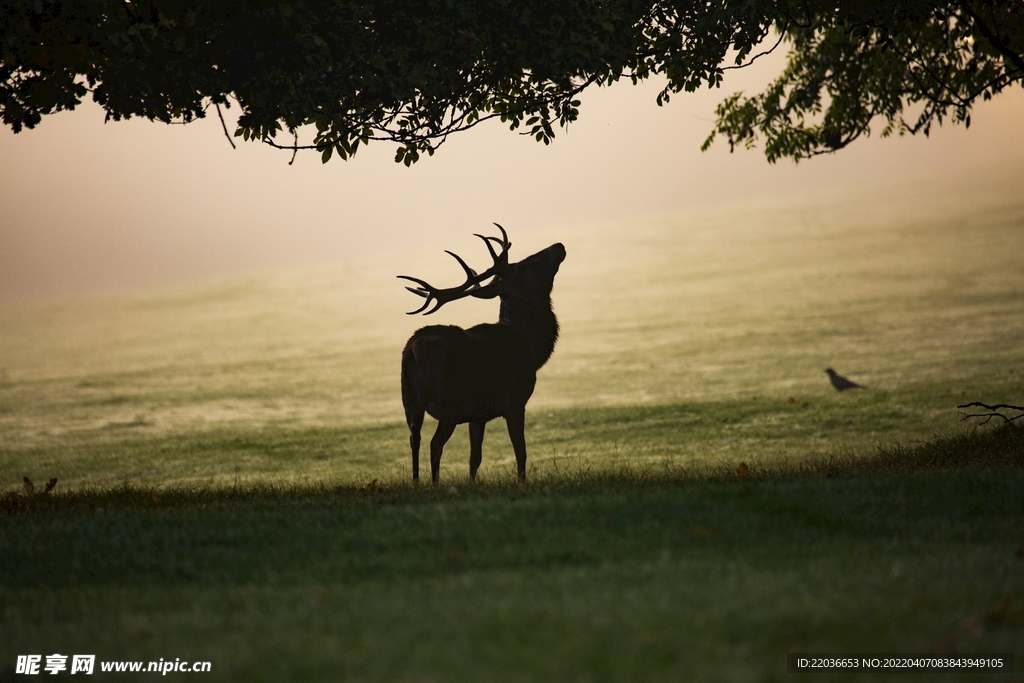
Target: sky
{"x": 89, "y": 207}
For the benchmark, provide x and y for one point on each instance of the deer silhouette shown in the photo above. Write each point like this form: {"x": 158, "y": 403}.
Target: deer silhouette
{"x": 475, "y": 375}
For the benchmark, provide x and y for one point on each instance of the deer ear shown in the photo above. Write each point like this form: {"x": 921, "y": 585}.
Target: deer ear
{"x": 486, "y": 292}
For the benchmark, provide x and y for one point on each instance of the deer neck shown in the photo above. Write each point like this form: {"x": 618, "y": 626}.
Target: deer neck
{"x": 536, "y": 322}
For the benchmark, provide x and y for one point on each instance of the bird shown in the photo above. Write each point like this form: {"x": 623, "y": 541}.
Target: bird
{"x": 840, "y": 382}
{"x": 29, "y": 486}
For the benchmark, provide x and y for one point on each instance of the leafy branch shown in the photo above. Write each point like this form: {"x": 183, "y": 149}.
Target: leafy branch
{"x": 413, "y": 74}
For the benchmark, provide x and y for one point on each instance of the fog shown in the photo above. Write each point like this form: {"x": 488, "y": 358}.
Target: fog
{"x": 87, "y": 206}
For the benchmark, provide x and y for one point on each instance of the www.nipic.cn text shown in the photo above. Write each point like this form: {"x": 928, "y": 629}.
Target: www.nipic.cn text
{"x": 86, "y": 664}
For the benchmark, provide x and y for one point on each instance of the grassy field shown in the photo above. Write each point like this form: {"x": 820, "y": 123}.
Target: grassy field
{"x": 620, "y": 575}
{"x": 216, "y": 443}
{"x": 728, "y": 315}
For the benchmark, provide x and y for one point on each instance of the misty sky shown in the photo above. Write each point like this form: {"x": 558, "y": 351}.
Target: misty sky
{"x": 87, "y": 206}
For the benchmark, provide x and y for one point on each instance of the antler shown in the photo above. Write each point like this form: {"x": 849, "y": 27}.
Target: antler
{"x": 442, "y": 296}
{"x": 505, "y": 245}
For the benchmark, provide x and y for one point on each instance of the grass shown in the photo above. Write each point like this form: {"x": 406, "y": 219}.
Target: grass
{"x": 232, "y": 469}
{"x": 624, "y": 574}
{"x": 758, "y": 430}
{"x": 918, "y": 297}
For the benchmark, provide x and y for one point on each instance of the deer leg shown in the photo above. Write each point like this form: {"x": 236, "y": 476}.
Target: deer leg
{"x": 476, "y": 444}
{"x": 415, "y": 421}
{"x": 445, "y": 429}
{"x": 414, "y": 444}
{"x": 516, "y": 422}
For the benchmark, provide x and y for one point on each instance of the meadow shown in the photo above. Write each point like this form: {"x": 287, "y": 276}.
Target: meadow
{"x": 233, "y": 471}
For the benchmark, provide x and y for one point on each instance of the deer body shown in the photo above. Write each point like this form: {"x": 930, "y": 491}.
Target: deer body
{"x": 475, "y": 375}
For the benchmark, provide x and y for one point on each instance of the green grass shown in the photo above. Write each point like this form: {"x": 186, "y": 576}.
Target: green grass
{"x": 624, "y": 574}
{"x": 760, "y": 431}
{"x": 213, "y": 444}
{"x": 918, "y": 297}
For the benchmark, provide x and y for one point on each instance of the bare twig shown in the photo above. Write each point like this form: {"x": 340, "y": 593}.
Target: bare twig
{"x": 225, "y": 127}
{"x": 994, "y": 411}
{"x": 292, "y": 147}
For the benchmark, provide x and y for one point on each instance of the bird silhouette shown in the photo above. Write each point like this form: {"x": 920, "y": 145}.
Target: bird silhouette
{"x": 840, "y": 382}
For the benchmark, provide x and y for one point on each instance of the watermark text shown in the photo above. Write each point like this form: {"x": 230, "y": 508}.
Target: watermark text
{"x": 34, "y": 665}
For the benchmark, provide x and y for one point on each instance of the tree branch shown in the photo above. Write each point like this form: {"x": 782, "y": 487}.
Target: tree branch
{"x": 994, "y": 39}
{"x": 995, "y": 411}
{"x": 224, "y": 126}
{"x": 782, "y": 36}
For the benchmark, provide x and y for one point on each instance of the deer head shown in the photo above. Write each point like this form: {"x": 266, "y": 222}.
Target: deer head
{"x": 529, "y": 279}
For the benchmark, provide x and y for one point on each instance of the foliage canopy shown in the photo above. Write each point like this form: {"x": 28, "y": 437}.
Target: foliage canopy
{"x": 415, "y": 72}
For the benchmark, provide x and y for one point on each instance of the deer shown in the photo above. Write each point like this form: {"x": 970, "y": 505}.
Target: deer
{"x": 487, "y": 371}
